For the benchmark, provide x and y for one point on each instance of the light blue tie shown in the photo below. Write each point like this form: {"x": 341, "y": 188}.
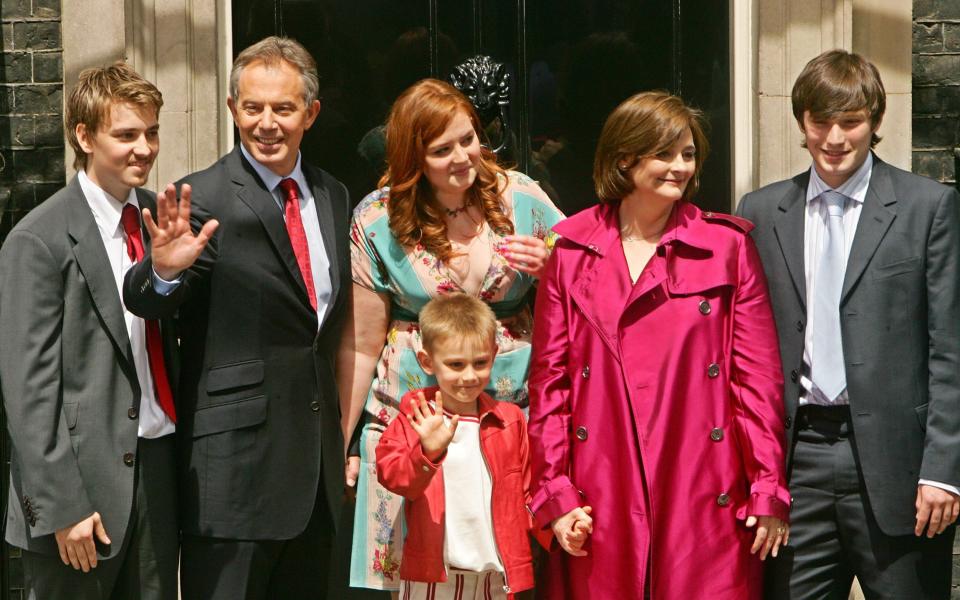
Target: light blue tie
{"x": 827, "y": 369}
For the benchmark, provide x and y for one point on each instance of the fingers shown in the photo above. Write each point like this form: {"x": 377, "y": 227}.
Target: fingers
{"x": 99, "y": 530}
{"x": 751, "y": 521}
{"x": 936, "y": 517}
{"x": 152, "y": 229}
{"x": 352, "y": 470}
{"x": 923, "y": 517}
{"x": 88, "y": 554}
{"x": 759, "y": 539}
{"x": 438, "y": 399}
{"x": 166, "y": 206}
{"x": 64, "y": 556}
{"x": 206, "y": 232}
{"x": 454, "y": 420}
{"x": 74, "y": 558}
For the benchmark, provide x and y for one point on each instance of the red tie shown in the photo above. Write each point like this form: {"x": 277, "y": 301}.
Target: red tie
{"x": 131, "y": 226}
{"x": 298, "y": 238}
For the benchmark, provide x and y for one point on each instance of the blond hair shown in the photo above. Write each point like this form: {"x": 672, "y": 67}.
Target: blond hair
{"x": 97, "y": 89}
{"x": 457, "y": 315}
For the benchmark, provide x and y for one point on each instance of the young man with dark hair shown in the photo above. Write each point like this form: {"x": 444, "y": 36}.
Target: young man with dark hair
{"x": 862, "y": 262}
{"x": 86, "y": 384}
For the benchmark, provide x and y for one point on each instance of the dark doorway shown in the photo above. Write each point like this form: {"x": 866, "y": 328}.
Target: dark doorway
{"x": 570, "y": 62}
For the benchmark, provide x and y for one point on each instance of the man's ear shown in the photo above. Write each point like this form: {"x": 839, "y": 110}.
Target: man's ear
{"x": 84, "y": 138}
{"x": 232, "y": 105}
{"x": 425, "y": 362}
{"x": 312, "y": 111}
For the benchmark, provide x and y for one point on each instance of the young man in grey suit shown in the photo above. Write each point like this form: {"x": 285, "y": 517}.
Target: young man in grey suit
{"x": 86, "y": 384}
{"x": 862, "y": 261}
{"x": 260, "y": 311}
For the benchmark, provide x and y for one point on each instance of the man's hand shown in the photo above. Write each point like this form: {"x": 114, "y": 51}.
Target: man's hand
{"x": 572, "y": 530}
{"x": 771, "y": 534}
{"x": 173, "y": 246}
{"x": 352, "y": 470}
{"x": 435, "y": 435}
{"x": 937, "y": 509}
{"x": 76, "y": 545}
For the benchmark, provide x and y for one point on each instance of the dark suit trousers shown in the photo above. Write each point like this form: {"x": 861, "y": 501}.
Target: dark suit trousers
{"x": 833, "y": 535}
{"x": 146, "y": 566}
{"x": 224, "y": 569}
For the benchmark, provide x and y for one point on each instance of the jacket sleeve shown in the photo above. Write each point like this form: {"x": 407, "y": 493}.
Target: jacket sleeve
{"x": 402, "y": 467}
{"x": 139, "y": 295}
{"x": 31, "y": 319}
{"x": 543, "y": 535}
{"x": 553, "y": 494}
{"x": 941, "y": 453}
{"x": 757, "y": 389}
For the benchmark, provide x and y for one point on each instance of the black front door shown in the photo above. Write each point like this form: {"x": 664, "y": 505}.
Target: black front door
{"x": 569, "y": 62}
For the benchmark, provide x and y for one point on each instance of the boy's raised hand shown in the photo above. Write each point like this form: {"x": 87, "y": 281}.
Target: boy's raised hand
{"x": 435, "y": 435}
{"x": 572, "y": 530}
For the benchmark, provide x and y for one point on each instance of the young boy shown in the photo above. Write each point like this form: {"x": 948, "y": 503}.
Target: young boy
{"x": 85, "y": 383}
{"x": 459, "y": 458}
{"x": 863, "y": 262}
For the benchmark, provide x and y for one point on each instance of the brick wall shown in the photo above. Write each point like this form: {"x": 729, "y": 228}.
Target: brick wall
{"x": 936, "y": 87}
{"x": 31, "y": 107}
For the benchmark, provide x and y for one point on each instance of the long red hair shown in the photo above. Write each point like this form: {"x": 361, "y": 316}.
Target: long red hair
{"x": 420, "y": 115}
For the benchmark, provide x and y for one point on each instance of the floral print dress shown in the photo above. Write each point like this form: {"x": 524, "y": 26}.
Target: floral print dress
{"x": 411, "y": 277}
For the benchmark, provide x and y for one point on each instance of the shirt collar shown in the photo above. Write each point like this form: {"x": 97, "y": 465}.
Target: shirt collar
{"x": 855, "y": 187}
{"x": 107, "y": 210}
{"x": 271, "y": 180}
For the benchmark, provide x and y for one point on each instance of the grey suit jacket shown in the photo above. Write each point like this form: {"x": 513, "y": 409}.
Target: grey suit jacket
{"x": 900, "y": 324}
{"x": 67, "y": 375}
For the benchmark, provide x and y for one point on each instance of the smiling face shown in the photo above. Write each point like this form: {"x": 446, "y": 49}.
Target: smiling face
{"x": 121, "y": 152}
{"x": 666, "y": 174}
{"x": 462, "y": 367}
{"x": 271, "y": 114}
{"x": 450, "y": 164}
{"x": 839, "y": 144}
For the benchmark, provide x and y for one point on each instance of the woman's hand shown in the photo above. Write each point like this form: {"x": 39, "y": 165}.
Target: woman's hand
{"x": 771, "y": 534}
{"x": 526, "y": 254}
{"x": 572, "y": 529}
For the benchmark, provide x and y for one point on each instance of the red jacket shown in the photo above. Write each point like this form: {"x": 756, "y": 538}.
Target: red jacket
{"x": 403, "y": 469}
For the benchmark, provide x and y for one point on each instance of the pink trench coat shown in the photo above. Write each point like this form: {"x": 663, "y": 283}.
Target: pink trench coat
{"x": 659, "y": 404}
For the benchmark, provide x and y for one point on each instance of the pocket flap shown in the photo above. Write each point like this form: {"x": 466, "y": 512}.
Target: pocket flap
{"x": 71, "y": 412}
{"x": 922, "y": 415}
{"x": 236, "y": 375}
{"x": 229, "y": 416}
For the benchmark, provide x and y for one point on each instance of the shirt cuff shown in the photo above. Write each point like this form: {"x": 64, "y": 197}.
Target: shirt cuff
{"x": 943, "y": 486}
{"x": 164, "y": 287}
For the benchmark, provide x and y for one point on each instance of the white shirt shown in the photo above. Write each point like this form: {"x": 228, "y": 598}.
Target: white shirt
{"x": 107, "y": 210}
{"x": 468, "y": 541}
{"x": 319, "y": 264}
{"x": 855, "y": 189}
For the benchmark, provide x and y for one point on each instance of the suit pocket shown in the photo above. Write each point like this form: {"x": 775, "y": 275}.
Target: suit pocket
{"x": 231, "y": 428}
{"x": 71, "y": 411}
{"x": 226, "y": 378}
{"x": 922, "y": 416}
{"x": 895, "y": 268}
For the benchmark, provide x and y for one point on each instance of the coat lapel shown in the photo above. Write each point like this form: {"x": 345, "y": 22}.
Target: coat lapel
{"x": 324, "y": 207}
{"x": 252, "y": 192}
{"x": 789, "y": 228}
{"x": 95, "y": 265}
{"x": 879, "y": 211}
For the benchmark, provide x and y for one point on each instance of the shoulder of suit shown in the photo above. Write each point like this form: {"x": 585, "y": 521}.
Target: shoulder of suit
{"x": 738, "y": 223}
{"x": 913, "y": 185}
{"x": 49, "y": 214}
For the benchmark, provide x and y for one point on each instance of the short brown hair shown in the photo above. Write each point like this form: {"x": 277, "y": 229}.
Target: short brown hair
{"x": 836, "y": 82}
{"x": 641, "y": 126}
{"x": 457, "y": 315}
{"x": 96, "y": 90}
{"x": 271, "y": 51}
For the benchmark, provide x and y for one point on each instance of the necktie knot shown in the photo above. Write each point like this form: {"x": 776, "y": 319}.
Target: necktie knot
{"x": 835, "y": 202}
{"x": 291, "y": 191}
{"x": 130, "y": 219}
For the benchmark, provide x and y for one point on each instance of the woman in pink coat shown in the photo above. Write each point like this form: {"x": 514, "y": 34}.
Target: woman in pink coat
{"x": 656, "y": 417}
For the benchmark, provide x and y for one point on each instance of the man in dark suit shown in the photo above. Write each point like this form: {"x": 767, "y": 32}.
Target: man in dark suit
{"x": 86, "y": 384}
{"x": 862, "y": 261}
{"x": 260, "y": 309}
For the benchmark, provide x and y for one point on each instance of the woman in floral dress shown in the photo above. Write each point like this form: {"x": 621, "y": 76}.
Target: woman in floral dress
{"x": 447, "y": 219}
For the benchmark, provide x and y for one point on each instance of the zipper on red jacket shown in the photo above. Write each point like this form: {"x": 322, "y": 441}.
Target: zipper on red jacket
{"x": 493, "y": 516}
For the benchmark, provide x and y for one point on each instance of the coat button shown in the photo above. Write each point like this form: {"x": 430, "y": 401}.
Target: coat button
{"x": 315, "y": 406}
{"x": 794, "y": 375}
{"x": 581, "y": 433}
{"x": 713, "y": 370}
{"x": 799, "y": 325}
{"x": 788, "y": 422}
{"x": 132, "y": 413}
{"x": 723, "y": 500}
{"x": 128, "y": 459}
{"x": 704, "y": 307}
{"x": 707, "y": 214}
{"x": 585, "y": 373}
{"x": 716, "y": 434}
{"x": 425, "y": 468}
